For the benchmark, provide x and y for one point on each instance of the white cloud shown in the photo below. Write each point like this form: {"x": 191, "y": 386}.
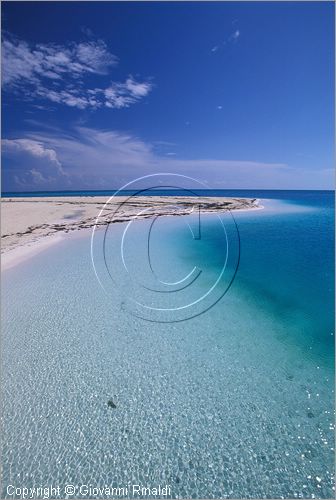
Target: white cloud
{"x": 137, "y": 89}
{"x": 232, "y": 38}
{"x": 235, "y": 35}
{"x": 120, "y": 95}
{"x": 94, "y": 57}
{"x": 71, "y": 97}
{"x": 56, "y": 73}
{"x": 23, "y": 63}
{"x": 37, "y": 177}
{"x": 34, "y": 158}
{"x": 34, "y": 148}
{"x": 95, "y": 159}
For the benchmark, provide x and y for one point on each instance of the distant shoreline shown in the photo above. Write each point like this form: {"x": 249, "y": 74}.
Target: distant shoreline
{"x": 177, "y": 192}
{"x": 30, "y": 225}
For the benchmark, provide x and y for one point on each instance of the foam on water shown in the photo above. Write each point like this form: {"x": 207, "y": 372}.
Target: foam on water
{"x": 237, "y": 402}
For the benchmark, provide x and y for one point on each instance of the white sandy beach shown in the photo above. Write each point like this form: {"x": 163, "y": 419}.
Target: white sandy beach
{"x": 30, "y": 225}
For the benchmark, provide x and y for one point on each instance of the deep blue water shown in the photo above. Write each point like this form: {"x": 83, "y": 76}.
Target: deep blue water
{"x": 237, "y": 402}
{"x": 299, "y": 196}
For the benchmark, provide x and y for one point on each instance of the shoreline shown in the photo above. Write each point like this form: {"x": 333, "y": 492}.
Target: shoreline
{"x": 31, "y": 225}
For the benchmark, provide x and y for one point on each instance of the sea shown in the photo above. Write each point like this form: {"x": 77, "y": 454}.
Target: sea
{"x": 190, "y": 352}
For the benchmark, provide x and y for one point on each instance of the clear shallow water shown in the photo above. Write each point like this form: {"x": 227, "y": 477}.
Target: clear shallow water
{"x": 237, "y": 402}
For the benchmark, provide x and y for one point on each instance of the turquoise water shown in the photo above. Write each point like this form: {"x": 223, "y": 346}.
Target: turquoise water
{"x": 234, "y": 403}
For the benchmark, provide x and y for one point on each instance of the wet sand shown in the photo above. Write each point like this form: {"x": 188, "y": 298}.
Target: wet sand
{"x": 29, "y": 225}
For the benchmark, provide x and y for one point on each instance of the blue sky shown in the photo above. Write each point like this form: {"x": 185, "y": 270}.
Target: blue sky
{"x": 235, "y": 94}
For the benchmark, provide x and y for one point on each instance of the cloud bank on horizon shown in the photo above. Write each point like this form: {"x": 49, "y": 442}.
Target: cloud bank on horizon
{"x": 95, "y": 112}
{"x": 58, "y": 161}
